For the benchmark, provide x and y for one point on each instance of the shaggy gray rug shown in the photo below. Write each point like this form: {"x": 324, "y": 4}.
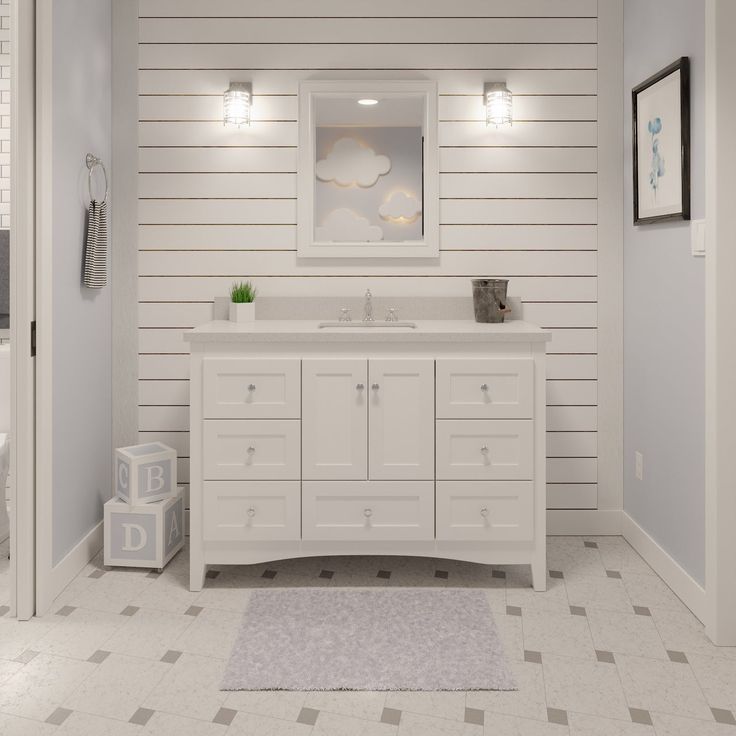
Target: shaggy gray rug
{"x": 352, "y": 639}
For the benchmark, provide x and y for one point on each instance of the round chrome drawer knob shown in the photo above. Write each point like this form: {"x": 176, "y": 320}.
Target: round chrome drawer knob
{"x": 360, "y": 386}
{"x": 484, "y": 449}
{"x": 251, "y": 512}
{"x": 367, "y": 513}
{"x": 251, "y": 450}
{"x": 375, "y": 386}
{"x": 251, "y": 387}
{"x": 484, "y": 512}
{"x": 484, "y": 387}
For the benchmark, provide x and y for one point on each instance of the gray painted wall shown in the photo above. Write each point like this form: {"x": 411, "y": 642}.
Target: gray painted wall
{"x": 82, "y": 389}
{"x": 664, "y": 286}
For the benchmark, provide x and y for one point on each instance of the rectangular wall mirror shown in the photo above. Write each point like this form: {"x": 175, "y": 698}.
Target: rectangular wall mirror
{"x": 368, "y": 169}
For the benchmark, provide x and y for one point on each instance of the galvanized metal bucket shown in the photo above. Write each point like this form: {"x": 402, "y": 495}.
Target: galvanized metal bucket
{"x": 489, "y": 299}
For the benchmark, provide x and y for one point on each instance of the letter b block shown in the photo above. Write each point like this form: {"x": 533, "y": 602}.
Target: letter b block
{"x": 143, "y": 536}
{"x": 145, "y": 473}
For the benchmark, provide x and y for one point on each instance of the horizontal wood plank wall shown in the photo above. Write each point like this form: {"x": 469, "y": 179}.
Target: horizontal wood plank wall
{"x": 217, "y": 203}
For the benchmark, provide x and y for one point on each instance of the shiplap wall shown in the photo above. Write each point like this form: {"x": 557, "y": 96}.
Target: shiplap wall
{"x": 519, "y": 202}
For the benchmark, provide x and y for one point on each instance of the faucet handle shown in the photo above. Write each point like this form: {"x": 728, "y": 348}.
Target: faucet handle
{"x": 345, "y": 314}
{"x": 392, "y": 314}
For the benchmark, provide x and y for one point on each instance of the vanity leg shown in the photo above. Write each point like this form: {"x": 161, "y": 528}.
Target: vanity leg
{"x": 539, "y": 573}
{"x": 197, "y": 572}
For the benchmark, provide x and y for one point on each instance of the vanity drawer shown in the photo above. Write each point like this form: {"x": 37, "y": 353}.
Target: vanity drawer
{"x": 367, "y": 510}
{"x": 485, "y": 449}
{"x": 493, "y": 388}
{"x": 251, "y": 449}
{"x": 249, "y": 388}
{"x": 492, "y": 512}
{"x": 251, "y": 511}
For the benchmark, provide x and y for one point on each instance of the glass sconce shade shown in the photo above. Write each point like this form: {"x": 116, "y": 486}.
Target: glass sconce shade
{"x": 237, "y": 104}
{"x": 499, "y": 104}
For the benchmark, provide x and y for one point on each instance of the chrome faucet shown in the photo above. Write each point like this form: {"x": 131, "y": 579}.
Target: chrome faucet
{"x": 368, "y": 307}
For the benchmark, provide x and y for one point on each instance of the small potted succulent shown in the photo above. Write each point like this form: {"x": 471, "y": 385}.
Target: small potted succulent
{"x": 242, "y": 302}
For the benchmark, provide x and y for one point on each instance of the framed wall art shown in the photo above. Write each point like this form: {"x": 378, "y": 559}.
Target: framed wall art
{"x": 661, "y": 143}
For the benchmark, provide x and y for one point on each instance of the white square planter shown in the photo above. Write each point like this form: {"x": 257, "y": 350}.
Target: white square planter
{"x": 145, "y": 473}
{"x": 143, "y": 536}
{"x": 242, "y": 311}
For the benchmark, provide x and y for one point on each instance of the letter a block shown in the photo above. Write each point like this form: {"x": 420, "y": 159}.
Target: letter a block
{"x": 143, "y": 536}
{"x": 145, "y": 473}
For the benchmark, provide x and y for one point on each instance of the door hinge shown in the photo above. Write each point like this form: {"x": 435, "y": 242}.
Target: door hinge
{"x": 33, "y": 339}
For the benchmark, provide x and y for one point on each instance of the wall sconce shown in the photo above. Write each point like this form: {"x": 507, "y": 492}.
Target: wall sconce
{"x": 238, "y": 100}
{"x": 498, "y": 101}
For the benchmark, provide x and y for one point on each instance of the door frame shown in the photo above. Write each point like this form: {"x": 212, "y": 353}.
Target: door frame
{"x": 720, "y": 338}
{"x": 22, "y": 308}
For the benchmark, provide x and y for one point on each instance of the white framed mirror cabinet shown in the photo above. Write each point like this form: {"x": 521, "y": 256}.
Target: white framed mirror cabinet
{"x": 368, "y": 169}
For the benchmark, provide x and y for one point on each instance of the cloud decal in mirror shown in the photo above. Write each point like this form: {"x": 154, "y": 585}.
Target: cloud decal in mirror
{"x": 344, "y": 225}
{"x": 400, "y": 207}
{"x": 349, "y": 164}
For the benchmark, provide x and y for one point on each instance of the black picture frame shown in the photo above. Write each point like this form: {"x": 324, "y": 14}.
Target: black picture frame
{"x": 683, "y": 66}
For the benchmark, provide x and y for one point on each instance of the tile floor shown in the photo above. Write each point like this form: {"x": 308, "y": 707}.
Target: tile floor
{"x": 608, "y": 650}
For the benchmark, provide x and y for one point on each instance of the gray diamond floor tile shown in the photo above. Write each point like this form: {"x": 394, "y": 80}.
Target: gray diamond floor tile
{"x": 391, "y": 716}
{"x": 722, "y": 715}
{"x": 555, "y": 715}
{"x": 638, "y": 715}
{"x": 474, "y": 716}
{"x": 58, "y": 716}
{"x": 308, "y": 716}
{"x": 224, "y": 716}
{"x": 141, "y": 716}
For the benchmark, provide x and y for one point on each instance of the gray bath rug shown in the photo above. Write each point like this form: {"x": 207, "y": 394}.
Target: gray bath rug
{"x": 370, "y": 639}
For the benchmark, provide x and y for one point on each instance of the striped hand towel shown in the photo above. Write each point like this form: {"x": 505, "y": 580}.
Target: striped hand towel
{"x": 94, "y": 275}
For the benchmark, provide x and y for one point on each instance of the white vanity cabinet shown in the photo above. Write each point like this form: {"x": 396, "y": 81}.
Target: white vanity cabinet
{"x": 353, "y": 441}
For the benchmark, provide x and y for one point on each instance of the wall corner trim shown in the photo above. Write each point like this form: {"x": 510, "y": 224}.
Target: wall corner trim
{"x": 684, "y": 586}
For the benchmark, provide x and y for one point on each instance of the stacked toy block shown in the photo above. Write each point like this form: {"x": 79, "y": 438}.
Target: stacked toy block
{"x": 144, "y": 522}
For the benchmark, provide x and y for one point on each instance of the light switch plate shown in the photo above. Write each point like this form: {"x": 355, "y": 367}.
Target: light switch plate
{"x": 638, "y": 465}
{"x": 697, "y": 237}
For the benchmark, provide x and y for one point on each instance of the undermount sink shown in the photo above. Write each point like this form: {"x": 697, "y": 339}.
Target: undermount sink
{"x": 411, "y": 325}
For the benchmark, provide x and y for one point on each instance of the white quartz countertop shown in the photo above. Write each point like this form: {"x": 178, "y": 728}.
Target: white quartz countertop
{"x": 223, "y": 331}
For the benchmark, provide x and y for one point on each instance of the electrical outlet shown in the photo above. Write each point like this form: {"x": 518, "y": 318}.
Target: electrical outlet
{"x": 639, "y": 465}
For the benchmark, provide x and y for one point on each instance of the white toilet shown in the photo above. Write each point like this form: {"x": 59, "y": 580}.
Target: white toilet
{"x": 4, "y": 439}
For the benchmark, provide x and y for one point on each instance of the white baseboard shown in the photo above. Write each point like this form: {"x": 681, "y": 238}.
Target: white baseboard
{"x": 685, "y": 587}
{"x": 63, "y": 573}
{"x": 586, "y": 522}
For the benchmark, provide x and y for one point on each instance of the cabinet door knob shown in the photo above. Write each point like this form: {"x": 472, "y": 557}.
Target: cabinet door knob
{"x": 367, "y": 513}
{"x": 251, "y": 512}
{"x": 251, "y": 450}
{"x": 484, "y": 387}
{"x": 360, "y": 386}
{"x": 484, "y": 449}
{"x": 251, "y": 387}
{"x": 375, "y": 386}
{"x": 484, "y": 512}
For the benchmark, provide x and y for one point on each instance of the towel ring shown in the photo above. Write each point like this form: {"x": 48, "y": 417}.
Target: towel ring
{"x": 93, "y": 161}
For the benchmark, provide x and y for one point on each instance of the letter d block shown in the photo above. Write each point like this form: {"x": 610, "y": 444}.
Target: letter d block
{"x": 145, "y": 473}
{"x": 143, "y": 536}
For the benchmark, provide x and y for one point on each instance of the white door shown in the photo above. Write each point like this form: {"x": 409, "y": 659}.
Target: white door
{"x": 401, "y": 419}
{"x": 334, "y": 419}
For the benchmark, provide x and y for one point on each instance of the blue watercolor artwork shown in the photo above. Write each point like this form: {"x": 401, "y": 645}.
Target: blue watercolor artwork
{"x": 656, "y": 170}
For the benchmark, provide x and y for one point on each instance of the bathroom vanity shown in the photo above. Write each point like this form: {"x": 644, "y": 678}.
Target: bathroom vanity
{"x": 389, "y": 440}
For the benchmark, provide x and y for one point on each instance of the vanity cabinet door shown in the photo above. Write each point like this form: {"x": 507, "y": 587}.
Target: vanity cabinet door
{"x": 401, "y": 419}
{"x": 335, "y": 419}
